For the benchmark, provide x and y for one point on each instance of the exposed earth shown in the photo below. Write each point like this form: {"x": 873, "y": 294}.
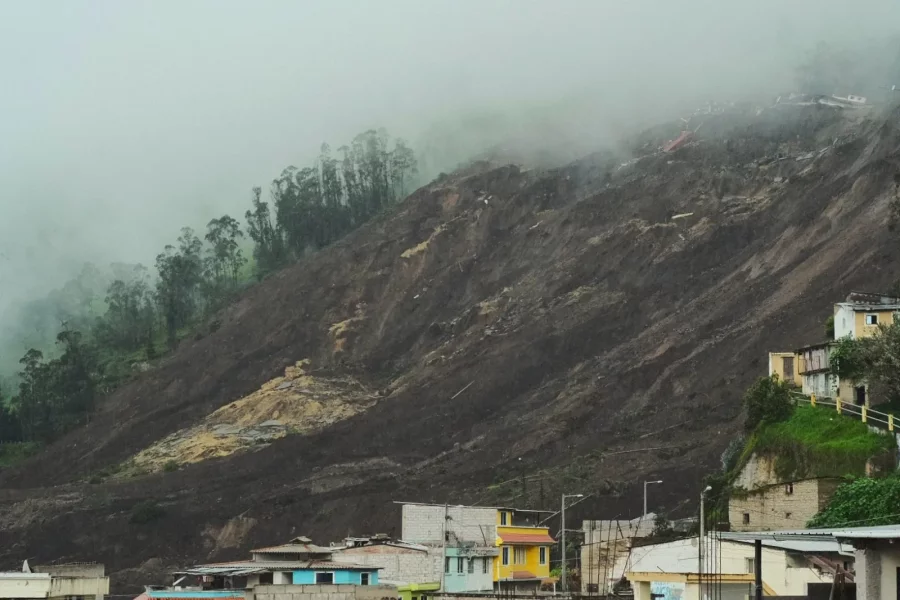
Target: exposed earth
{"x": 503, "y": 335}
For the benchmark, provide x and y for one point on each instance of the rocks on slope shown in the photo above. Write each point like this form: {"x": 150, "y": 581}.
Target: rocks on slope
{"x": 527, "y": 331}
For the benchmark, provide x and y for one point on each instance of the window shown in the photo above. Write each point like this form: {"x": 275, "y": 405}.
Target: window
{"x": 484, "y": 564}
{"x": 459, "y": 564}
{"x": 265, "y": 579}
{"x": 543, "y": 555}
{"x": 504, "y": 518}
{"x": 324, "y": 577}
{"x": 519, "y": 555}
{"x": 447, "y": 565}
{"x": 363, "y": 579}
{"x": 750, "y": 565}
{"x": 593, "y": 588}
{"x": 506, "y": 555}
{"x": 471, "y": 565}
{"x": 746, "y": 518}
{"x": 871, "y": 319}
{"x": 788, "y": 489}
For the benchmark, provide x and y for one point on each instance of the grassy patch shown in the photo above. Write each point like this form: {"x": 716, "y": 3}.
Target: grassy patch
{"x": 15, "y": 452}
{"x": 816, "y": 442}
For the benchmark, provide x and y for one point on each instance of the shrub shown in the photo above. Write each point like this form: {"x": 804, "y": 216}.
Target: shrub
{"x": 170, "y": 466}
{"x": 146, "y": 511}
{"x": 864, "y": 501}
{"x": 768, "y": 401}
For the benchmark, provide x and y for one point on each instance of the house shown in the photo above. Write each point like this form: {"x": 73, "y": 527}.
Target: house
{"x": 674, "y": 569}
{"x": 876, "y": 552}
{"x": 292, "y": 571}
{"x": 760, "y": 500}
{"x": 411, "y": 567}
{"x": 861, "y": 313}
{"x": 785, "y": 365}
{"x": 815, "y": 374}
{"x": 606, "y": 546}
{"x": 71, "y": 581}
{"x": 482, "y": 548}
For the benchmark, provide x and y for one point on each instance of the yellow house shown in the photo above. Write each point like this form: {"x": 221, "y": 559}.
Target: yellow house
{"x": 524, "y": 549}
{"x": 861, "y": 314}
{"x": 786, "y": 365}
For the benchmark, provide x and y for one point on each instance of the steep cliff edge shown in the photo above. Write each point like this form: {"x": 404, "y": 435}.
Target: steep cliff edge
{"x": 599, "y": 322}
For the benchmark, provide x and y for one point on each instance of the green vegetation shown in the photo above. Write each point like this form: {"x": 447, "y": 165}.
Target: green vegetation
{"x": 873, "y": 360}
{"x": 13, "y": 453}
{"x": 815, "y": 442}
{"x": 146, "y": 511}
{"x": 767, "y": 401}
{"x": 101, "y": 341}
{"x": 170, "y": 466}
{"x": 864, "y": 501}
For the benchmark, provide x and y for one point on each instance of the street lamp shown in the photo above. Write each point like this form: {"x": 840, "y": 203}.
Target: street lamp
{"x": 702, "y": 541}
{"x": 646, "y": 483}
{"x": 565, "y": 585}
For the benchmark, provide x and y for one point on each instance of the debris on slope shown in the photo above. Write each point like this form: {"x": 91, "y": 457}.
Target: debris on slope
{"x": 298, "y": 403}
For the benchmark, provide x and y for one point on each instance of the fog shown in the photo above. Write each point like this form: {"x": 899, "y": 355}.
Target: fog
{"x": 121, "y": 122}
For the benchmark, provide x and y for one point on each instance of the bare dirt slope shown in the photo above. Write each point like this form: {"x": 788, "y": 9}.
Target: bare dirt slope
{"x": 513, "y": 333}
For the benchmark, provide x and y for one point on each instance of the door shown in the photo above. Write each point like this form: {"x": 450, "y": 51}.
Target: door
{"x": 788, "y": 368}
{"x": 860, "y": 395}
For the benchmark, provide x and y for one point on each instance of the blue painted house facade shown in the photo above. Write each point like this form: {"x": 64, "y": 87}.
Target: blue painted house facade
{"x": 299, "y": 562}
{"x": 338, "y": 573}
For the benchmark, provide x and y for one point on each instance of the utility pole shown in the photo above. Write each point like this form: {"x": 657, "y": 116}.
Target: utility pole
{"x": 702, "y": 540}
{"x": 564, "y": 582}
{"x": 646, "y": 483}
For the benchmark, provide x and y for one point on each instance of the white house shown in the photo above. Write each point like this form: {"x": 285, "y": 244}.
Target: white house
{"x": 673, "y": 570}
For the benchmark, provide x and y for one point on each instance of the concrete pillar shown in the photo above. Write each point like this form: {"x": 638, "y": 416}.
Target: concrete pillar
{"x": 641, "y": 590}
{"x": 868, "y": 573}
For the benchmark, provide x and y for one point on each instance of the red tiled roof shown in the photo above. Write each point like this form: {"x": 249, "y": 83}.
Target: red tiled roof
{"x": 526, "y": 538}
{"x": 523, "y": 575}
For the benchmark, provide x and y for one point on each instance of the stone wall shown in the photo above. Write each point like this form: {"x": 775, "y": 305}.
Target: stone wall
{"x": 322, "y": 592}
{"x": 779, "y": 506}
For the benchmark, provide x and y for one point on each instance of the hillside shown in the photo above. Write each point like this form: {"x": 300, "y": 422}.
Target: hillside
{"x": 505, "y": 334}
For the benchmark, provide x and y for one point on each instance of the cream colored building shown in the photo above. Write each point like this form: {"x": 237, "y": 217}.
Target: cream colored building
{"x": 672, "y": 569}
{"x": 861, "y": 314}
{"x": 785, "y": 366}
{"x": 761, "y": 501}
{"x": 78, "y": 581}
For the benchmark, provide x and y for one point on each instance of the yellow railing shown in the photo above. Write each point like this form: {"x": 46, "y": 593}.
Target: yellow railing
{"x": 867, "y": 415}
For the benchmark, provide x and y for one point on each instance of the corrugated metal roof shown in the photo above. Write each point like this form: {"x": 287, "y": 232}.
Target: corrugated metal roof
{"x": 825, "y": 534}
{"x": 247, "y": 567}
{"x": 294, "y": 549}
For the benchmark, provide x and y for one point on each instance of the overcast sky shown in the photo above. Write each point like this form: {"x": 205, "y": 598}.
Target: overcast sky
{"x": 121, "y": 121}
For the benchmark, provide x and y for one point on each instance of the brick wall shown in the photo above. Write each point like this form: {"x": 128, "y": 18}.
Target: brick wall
{"x": 425, "y": 524}
{"x": 322, "y": 592}
{"x": 397, "y": 564}
{"x": 779, "y": 506}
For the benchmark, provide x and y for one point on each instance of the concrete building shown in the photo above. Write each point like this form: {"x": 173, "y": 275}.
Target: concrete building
{"x": 785, "y": 366}
{"x": 673, "y": 569}
{"x": 876, "y": 552}
{"x": 760, "y": 500}
{"x": 482, "y": 548}
{"x": 299, "y": 562}
{"x": 399, "y": 562}
{"x": 72, "y": 581}
{"x": 606, "y": 546}
{"x": 861, "y": 314}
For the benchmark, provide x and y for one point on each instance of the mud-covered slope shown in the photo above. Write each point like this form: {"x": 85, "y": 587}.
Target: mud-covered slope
{"x": 516, "y": 333}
